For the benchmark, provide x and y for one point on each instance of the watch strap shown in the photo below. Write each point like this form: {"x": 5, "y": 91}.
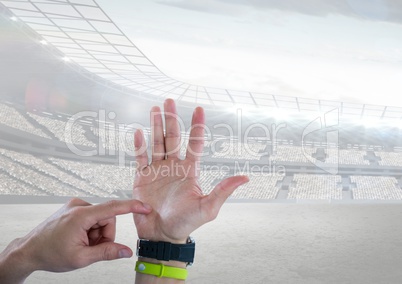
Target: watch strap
{"x": 160, "y": 270}
{"x": 166, "y": 251}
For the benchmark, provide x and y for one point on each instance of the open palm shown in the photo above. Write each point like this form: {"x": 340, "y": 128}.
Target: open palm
{"x": 170, "y": 185}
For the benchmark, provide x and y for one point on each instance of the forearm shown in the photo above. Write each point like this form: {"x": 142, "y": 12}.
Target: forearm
{"x": 150, "y": 279}
{"x": 15, "y": 265}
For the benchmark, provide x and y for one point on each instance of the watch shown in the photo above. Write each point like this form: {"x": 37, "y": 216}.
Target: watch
{"x": 167, "y": 251}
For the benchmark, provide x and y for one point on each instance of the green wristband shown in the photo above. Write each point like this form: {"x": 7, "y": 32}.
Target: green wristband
{"x": 160, "y": 270}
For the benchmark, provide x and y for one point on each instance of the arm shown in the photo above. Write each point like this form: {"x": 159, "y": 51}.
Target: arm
{"x": 170, "y": 185}
{"x": 16, "y": 262}
{"x": 76, "y": 236}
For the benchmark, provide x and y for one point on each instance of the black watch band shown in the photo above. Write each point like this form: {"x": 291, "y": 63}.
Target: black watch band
{"x": 167, "y": 251}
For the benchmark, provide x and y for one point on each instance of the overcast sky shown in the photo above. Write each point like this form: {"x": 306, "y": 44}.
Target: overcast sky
{"x": 348, "y": 50}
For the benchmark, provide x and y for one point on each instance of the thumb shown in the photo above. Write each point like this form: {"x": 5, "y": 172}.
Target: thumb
{"x": 221, "y": 192}
{"x": 107, "y": 251}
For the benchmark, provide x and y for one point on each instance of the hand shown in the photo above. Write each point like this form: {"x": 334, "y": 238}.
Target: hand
{"x": 170, "y": 185}
{"x": 76, "y": 236}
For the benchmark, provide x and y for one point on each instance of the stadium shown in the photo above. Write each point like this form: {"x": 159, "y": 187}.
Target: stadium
{"x": 74, "y": 88}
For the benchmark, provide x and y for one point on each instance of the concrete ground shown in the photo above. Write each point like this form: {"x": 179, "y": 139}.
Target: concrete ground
{"x": 258, "y": 243}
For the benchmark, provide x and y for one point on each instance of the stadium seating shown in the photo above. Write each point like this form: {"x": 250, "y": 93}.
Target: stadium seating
{"x": 40, "y": 181}
{"x": 117, "y": 139}
{"x": 260, "y": 186}
{"x": 12, "y": 118}
{"x": 376, "y": 188}
{"x": 315, "y": 187}
{"x": 24, "y": 174}
{"x": 393, "y": 159}
{"x": 12, "y": 186}
{"x": 240, "y": 151}
{"x": 108, "y": 137}
{"x": 58, "y": 128}
{"x": 283, "y": 153}
{"x": 346, "y": 157}
{"x": 48, "y": 169}
{"x": 109, "y": 178}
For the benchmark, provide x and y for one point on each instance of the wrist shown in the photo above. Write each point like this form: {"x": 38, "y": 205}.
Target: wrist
{"x": 155, "y": 278}
{"x": 173, "y": 263}
{"x": 16, "y": 262}
{"x": 167, "y": 253}
{"x": 161, "y": 238}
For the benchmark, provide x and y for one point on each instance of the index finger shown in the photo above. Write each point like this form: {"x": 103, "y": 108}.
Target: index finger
{"x": 113, "y": 208}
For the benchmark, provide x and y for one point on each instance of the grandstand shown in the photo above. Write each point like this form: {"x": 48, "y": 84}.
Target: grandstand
{"x": 240, "y": 151}
{"x": 312, "y": 187}
{"x": 75, "y": 177}
{"x": 58, "y": 128}
{"x": 261, "y": 186}
{"x": 393, "y": 159}
{"x": 11, "y": 117}
{"x": 376, "y": 188}
{"x": 36, "y": 157}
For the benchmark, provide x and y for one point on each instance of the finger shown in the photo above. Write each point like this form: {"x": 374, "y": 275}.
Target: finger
{"x": 111, "y": 209}
{"x": 94, "y": 236}
{"x": 71, "y": 205}
{"x": 172, "y": 138}
{"x": 102, "y": 234}
{"x": 220, "y": 194}
{"x": 74, "y": 202}
{"x": 105, "y": 251}
{"x": 108, "y": 229}
{"x": 141, "y": 156}
{"x": 103, "y": 231}
{"x": 196, "y": 140}
{"x": 158, "y": 138}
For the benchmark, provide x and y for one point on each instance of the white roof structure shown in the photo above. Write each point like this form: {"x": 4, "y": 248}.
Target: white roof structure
{"x": 84, "y": 33}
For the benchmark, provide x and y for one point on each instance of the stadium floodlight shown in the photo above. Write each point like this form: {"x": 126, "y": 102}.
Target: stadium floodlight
{"x": 14, "y": 19}
{"x": 66, "y": 59}
{"x": 44, "y": 42}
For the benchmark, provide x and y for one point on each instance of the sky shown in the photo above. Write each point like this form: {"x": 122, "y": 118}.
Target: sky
{"x": 346, "y": 50}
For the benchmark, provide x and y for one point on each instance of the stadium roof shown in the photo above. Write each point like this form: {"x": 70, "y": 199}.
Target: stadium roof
{"x": 87, "y": 36}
